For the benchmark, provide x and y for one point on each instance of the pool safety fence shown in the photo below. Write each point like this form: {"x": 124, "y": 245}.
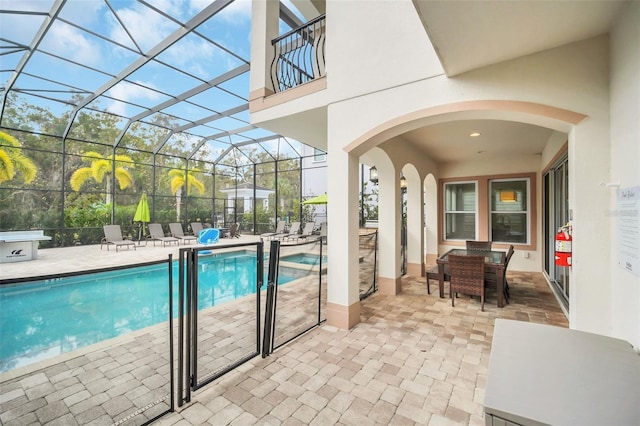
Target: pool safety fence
{"x": 368, "y": 247}
{"x": 120, "y": 380}
{"x": 216, "y": 340}
{"x": 298, "y": 306}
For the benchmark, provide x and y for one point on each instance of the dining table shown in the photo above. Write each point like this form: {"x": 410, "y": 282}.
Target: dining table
{"x": 494, "y": 263}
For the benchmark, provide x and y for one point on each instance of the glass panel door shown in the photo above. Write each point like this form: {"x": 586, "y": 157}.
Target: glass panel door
{"x": 556, "y": 211}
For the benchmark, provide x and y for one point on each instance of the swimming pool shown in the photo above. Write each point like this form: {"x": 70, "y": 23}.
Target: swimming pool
{"x": 42, "y": 319}
{"x": 304, "y": 258}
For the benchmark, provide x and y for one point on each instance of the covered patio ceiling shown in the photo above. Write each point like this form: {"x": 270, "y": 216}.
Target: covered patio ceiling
{"x": 173, "y": 73}
{"x": 469, "y": 35}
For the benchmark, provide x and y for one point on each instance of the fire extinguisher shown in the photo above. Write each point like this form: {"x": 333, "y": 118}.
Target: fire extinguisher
{"x": 563, "y": 246}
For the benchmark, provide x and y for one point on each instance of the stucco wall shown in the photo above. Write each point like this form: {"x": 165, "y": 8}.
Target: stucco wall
{"x": 625, "y": 161}
{"x": 368, "y": 51}
{"x": 573, "y": 77}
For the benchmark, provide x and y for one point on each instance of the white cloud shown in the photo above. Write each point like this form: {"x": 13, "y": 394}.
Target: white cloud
{"x": 126, "y": 91}
{"x": 238, "y": 10}
{"x": 68, "y": 42}
{"x": 193, "y": 56}
{"x": 145, "y": 26}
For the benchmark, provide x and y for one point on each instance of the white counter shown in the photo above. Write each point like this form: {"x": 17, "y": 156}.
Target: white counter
{"x": 16, "y": 246}
{"x": 539, "y": 374}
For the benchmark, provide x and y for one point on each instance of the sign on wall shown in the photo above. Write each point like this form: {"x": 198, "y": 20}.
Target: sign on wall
{"x": 629, "y": 229}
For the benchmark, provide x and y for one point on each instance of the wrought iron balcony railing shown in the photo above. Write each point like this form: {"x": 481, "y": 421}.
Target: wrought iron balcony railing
{"x": 299, "y": 55}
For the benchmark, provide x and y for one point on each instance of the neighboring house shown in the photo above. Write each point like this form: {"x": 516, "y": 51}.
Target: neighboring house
{"x": 244, "y": 192}
{"x": 314, "y": 179}
{"x": 552, "y": 98}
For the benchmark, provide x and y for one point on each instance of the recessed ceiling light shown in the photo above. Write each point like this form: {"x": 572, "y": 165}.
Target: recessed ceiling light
{"x": 474, "y": 134}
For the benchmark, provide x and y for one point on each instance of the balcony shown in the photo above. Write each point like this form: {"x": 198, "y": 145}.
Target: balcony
{"x": 299, "y": 55}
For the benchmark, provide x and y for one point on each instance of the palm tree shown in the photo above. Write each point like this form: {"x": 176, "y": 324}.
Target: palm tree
{"x": 180, "y": 178}
{"x": 101, "y": 167}
{"x": 12, "y": 161}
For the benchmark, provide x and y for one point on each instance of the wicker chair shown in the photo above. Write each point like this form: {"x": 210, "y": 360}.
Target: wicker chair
{"x": 466, "y": 277}
{"x": 506, "y": 265}
{"x": 434, "y": 274}
{"x": 479, "y": 245}
{"x": 491, "y": 279}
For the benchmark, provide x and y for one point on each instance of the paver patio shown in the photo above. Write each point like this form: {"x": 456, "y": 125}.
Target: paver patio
{"x": 413, "y": 359}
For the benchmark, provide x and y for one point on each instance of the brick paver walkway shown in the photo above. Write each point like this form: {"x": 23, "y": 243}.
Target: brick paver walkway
{"x": 413, "y": 359}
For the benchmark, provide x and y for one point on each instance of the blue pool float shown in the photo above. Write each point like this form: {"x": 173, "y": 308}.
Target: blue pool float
{"x": 208, "y": 236}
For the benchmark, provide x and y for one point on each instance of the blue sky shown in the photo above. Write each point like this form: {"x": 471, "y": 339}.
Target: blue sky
{"x": 92, "y": 42}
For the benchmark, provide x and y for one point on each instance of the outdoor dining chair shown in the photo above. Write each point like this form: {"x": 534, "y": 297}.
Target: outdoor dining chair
{"x": 491, "y": 279}
{"x": 466, "y": 277}
{"x": 479, "y": 245}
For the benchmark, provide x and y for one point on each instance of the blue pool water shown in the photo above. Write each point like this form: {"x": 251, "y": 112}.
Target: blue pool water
{"x": 305, "y": 258}
{"x": 42, "y": 319}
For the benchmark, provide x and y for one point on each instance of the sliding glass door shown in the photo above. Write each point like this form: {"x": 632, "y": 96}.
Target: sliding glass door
{"x": 556, "y": 214}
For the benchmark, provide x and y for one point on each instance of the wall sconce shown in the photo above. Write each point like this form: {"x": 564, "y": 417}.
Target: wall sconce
{"x": 508, "y": 197}
{"x": 403, "y": 183}
{"x": 373, "y": 175}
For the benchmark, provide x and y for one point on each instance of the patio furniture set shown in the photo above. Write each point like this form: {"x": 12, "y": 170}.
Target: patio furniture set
{"x": 471, "y": 270}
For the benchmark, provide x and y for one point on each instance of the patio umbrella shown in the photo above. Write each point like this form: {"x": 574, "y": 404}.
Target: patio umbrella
{"x": 320, "y": 199}
{"x": 142, "y": 214}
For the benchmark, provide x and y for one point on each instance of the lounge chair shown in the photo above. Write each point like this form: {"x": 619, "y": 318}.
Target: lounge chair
{"x": 196, "y": 227}
{"x": 156, "y": 233}
{"x": 323, "y": 232}
{"x": 177, "y": 232}
{"x": 294, "y": 230}
{"x": 113, "y": 237}
{"x": 279, "y": 230}
{"x": 307, "y": 231}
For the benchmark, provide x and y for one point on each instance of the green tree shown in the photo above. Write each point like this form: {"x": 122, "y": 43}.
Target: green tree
{"x": 179, "y": 179}
{"x": 100, "y": 168}
{"x": 12, "y": 161}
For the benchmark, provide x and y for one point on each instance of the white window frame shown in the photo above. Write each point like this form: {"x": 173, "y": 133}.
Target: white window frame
{"x": 446, "y": 212}
{"x": 526, "y": 212}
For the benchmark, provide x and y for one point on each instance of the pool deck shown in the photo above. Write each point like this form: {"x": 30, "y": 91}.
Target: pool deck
{"x": 412, "y": 359}
{"x": 81, "y": 258}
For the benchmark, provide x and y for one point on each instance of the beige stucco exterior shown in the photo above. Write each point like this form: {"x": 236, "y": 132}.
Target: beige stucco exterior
{"x": 385, "y": 79}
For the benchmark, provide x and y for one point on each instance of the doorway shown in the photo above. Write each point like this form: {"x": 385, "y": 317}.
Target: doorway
{"x": 556, "y": 214}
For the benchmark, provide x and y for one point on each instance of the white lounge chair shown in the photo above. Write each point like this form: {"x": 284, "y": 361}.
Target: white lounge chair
{"x": 279, "y": 230}
{"x": 294, "y": 230}
{"x": 113, "y": 237}
{"x": 196, "y": 227}
{"x": 156, "y": 233}
{"x": 307, "y": 231}
{"x": 177, "y": 232}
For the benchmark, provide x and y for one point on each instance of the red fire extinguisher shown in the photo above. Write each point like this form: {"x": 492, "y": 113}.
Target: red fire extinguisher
{"x": 563, "y": 246}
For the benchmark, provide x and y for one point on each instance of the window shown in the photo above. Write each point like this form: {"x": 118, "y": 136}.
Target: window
{"x": 460, "y": 205}
{"x": 319, "y": 155}
{"x": 509, "y": 215}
